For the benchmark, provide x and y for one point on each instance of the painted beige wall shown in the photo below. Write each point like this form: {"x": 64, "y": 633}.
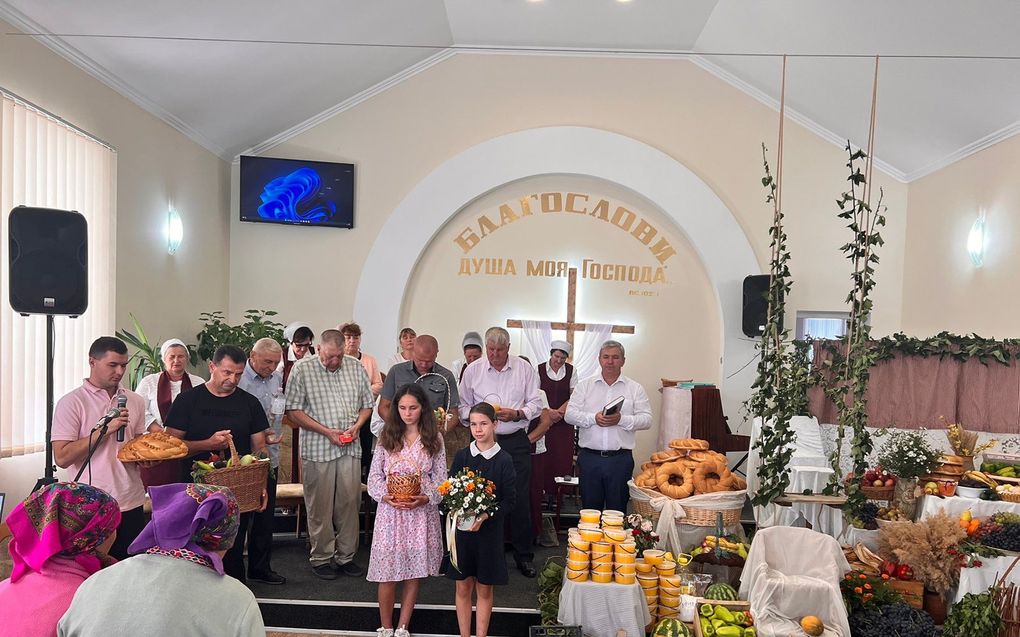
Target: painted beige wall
{"x": 942, "y": 290}
{"x": 677, "y": 324}
{"x": 399, "y": 136}
{"x": 155, "y": 164}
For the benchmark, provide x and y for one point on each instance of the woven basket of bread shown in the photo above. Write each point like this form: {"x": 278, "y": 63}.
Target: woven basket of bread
{"x": 152, "y": 447}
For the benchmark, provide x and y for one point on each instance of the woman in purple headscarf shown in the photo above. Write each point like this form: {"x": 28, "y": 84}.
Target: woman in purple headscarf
{"x": 60, "y": 536}
{"x": 179, "y": 558}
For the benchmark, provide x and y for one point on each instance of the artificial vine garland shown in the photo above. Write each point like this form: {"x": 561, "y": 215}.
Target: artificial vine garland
{"x": 846, "y": 382}
{"x": 943, "y": 345}
{"x": 776, "y": 396}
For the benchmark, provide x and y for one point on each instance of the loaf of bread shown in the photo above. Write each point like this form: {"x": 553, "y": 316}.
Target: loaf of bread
{"x": 158, "y": 445}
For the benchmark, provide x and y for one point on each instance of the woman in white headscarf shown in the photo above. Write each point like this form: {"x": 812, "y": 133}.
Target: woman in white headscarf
{"x": 160, "y": 390}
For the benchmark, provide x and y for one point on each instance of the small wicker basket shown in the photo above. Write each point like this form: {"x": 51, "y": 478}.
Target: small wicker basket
{"x": 696, "y": 516}
{"x": 1010, "y": 497}
{"x": 878, "y": 493}
{"x": 246, "y": 482}
{"x": 404, "y": 486}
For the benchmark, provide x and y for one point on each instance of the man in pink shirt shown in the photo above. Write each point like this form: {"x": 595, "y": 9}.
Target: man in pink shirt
{"x": 75, "y": 416}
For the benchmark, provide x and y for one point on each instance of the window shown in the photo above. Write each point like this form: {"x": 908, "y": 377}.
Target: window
{"x": 821, "y": 325}
{"x": 47, "y": 162}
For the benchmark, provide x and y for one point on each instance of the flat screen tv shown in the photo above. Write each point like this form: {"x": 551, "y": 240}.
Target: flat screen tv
{"x": 294, "y": 191}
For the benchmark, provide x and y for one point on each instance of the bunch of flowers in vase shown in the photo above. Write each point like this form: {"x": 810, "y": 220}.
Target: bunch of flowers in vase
{"x": 643, "y": 532}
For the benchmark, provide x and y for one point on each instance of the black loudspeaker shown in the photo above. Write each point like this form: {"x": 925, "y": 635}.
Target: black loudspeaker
{"x": 49, "y": 261}
{"x": 756, "y": 304}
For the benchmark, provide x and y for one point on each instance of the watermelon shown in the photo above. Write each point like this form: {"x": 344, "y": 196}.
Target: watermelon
{"x": 721, "y": 591}
{"x": 670, "y": 627}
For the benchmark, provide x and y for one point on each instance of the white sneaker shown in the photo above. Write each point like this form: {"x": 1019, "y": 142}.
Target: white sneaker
{"x": 401, "y": 632}
{"x": 384, "y": 632}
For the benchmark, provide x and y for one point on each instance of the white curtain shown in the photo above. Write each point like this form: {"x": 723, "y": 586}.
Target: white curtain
{"x": 537, "y": 337}
{"x": 586, "y": 351}
{"x": 46, "y": 163}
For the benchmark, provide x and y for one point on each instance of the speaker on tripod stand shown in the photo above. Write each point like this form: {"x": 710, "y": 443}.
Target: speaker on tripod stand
{"x": 48, "y": 252}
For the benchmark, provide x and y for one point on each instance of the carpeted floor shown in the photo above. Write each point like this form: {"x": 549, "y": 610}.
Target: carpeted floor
{"x": 290, "y": 559}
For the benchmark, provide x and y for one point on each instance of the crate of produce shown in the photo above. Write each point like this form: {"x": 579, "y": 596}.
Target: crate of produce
{"x": 911, "y": 591}
{"x": 708, "y": 611}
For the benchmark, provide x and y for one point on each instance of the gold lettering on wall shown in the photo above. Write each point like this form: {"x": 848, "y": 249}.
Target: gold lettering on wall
{"x": 570, "y": 202}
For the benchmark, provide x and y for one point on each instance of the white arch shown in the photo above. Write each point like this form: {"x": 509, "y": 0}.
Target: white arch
{"x": 679, "y": 193}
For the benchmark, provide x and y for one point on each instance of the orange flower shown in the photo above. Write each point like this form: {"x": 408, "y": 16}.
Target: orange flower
{"x": 863, "y": 576}
{"x": 884, "y": 576}
{"x": 488, "y": 489}
{"x": 470, "y": 486}
{"x": 471, "y": 474}
{"x": 867, "y": 587}
{"x": 858, "y": 590}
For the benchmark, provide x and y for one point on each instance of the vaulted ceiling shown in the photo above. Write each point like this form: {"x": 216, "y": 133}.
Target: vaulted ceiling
{"x": 238, "y": 74}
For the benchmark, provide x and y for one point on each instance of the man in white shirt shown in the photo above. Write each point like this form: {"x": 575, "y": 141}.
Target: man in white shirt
{"x": 511, "y": 386}
{"x": 605, "y": 459}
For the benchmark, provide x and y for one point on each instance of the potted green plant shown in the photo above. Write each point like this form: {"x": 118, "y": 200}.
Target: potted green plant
{"x": 145, "y": 360}
{"x": 216, "y": 332}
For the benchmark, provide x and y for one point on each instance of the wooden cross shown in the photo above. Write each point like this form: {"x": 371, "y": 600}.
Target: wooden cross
{"x": 571, "y": 326}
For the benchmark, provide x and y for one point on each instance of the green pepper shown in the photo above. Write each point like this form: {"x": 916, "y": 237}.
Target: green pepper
{"x": 707, "y": 629}
{"x": 739, "y": 618}
{"x": 729, "y": 631}
{"x": 706, "y": 610}
{"x": 718, "y": 623}
{"x": 723, "y": 613}
{"x": 750, "y": 632}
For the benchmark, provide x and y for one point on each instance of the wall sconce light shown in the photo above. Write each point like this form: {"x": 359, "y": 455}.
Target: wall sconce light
{"x": 174, "y": 230}
{"x": 976, "y": 241}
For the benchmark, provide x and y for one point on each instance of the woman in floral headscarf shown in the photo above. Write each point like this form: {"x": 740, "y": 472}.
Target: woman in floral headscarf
{"x": 179, "y": 554}
{"x": 60, "y": 536}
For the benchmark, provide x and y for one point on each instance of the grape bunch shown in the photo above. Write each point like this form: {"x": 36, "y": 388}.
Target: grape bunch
{"x": 899, "y": 620}
{"x": 1003, "y": 534}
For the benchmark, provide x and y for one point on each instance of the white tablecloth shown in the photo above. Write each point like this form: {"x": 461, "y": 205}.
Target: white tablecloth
{"x": 977, "y": 580}
{"x": 675, "y": 415}
{"x": 956, "y": 505}
{"x": 603, "y": 609}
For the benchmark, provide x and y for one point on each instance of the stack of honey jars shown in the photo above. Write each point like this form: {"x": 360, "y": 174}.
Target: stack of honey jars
{"x": 657, "y": 575}
{"x": 601, "y": 549}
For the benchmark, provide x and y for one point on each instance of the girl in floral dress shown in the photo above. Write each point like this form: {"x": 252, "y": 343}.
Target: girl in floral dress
{"x": 407, "y": 538}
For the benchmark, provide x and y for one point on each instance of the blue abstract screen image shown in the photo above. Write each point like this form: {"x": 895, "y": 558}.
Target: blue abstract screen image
{"x": 290, "y": 191}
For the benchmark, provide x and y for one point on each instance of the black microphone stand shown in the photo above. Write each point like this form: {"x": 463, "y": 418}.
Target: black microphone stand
{"x": 92, "y": 448}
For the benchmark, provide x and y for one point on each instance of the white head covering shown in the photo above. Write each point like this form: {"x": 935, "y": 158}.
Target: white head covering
{"x": 288, "y": 332}
{"x": 563, "y": 346}
{"x": 471, "y": 339}
{"x": 171, "y": 343}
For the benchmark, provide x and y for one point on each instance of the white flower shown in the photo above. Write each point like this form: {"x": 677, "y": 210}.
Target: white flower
{"x": 646, "y": 526}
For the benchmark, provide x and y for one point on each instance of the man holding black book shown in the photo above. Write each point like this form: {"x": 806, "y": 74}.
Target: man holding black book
{"x": 607, "y": 409}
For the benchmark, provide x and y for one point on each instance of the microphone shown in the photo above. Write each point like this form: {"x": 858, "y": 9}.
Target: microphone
{"x": 105, "y": 420}
{"x": 121, "y": 404}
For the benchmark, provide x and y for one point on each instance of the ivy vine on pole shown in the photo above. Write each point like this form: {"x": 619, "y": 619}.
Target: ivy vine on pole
{"x": 849, "y": 373}
{"x": 776, "y": 396}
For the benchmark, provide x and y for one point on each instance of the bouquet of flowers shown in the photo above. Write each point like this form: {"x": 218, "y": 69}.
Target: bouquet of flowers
{"x": 642, "y": 530}
{"x": 909, "y": 454}
{"x": 467, "y": 495}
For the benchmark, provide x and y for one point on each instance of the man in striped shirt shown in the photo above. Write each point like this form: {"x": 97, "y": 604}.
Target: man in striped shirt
{"x": 329, "y": 396}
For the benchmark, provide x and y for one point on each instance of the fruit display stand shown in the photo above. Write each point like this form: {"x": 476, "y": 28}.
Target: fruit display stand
{"x": 955, "y": 505}
{"x": 604, "y": 609}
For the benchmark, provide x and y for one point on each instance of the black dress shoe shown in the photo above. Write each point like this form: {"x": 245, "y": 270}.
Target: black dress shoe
{"x": 527, "y": 569}
{"x": 324, "y": 571}
{"x": 272, "y": 577}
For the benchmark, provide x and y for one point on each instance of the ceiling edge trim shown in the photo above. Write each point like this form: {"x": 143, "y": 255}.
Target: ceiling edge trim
{"x": 26, "y": 25}
{"x": 348, "y": 103}
{"x": 792, "y": 114}
{"x": 966, "y": 151}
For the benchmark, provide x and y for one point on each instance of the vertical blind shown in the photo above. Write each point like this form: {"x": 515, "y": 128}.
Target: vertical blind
{"x": 46, "y": 163}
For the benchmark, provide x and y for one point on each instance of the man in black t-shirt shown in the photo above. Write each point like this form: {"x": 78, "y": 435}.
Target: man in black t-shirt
{"x": 208, "y": 416}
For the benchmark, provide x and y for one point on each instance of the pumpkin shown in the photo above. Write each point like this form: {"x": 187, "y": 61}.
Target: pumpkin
{"x": 670, "y": 627}
{"x": 812, "y": 625}
{"x": 721, "y": 591}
